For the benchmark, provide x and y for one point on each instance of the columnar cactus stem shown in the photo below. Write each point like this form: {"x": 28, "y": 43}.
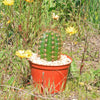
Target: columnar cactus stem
{"x": 49, "y": 46}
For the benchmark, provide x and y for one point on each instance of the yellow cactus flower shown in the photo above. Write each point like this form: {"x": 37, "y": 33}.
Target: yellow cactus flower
{"x": 29, "y": 1}
{"x": 28, "y": 53}
{"x": 71, "y": 30}
{"x": 8, "y": 2}
{"x": 24, "y": 54}
{"x": 8, "y": 21}
{"x": 55, "y": 17}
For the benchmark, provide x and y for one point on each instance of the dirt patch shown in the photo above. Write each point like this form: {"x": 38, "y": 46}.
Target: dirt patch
{"x": 92, "y": 54}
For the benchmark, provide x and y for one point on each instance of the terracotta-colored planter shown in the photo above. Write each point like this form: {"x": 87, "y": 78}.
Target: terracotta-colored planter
{"x": 51, "y": 77}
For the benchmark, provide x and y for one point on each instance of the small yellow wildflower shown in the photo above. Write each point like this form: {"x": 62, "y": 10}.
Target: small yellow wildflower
{"x": 55, "y": 17}
{"x": 20, "y": 53}
{"x": 71, "y": 30}
{"x": 8, "y": 21}
{"x": 24, "y": 54}
{"x": 81, "y": 83}
{"x": 75, "y": 42}
{"x": 29, "y": 0}
{"x": 8, "y": 2}
{"x": 28, "y": 53}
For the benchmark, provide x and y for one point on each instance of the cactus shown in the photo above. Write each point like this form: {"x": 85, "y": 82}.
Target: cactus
{"x": 49, "y": 46}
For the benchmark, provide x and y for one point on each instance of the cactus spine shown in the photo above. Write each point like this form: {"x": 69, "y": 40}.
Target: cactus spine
{"x": 49, "y": 46}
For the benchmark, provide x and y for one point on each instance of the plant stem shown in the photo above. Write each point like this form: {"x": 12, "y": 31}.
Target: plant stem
{"x": 83, "y": 55}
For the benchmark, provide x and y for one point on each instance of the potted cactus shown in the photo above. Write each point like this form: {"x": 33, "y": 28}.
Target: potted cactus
{"x": 49, "y": 67}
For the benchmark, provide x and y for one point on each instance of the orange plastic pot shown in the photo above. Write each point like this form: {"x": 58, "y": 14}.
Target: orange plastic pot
{"x": 52, "y": 78}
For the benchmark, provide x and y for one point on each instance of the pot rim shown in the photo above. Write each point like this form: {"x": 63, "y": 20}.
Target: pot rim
{"x": 52, "y": 65}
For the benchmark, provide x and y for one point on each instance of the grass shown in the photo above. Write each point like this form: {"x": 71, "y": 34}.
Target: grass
{"x": 26, "y": 22}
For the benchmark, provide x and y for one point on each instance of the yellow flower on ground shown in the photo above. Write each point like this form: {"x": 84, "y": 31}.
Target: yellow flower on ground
{"x": 24, "y": 54}
{"x": 29, "y": 0}
{"x": 28, "y": 53}
{"x": 55, "y": 17}
{"x": 81, "y": 83}
{"x": 71, "y": 30}
{"x": 75, "y": 42}
{"x": 8, "y": 21}
{"x": 20, "y": 53}
{"x": 8, "y": 2}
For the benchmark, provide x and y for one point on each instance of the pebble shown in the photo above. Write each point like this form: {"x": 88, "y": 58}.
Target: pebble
{"x": 62, "y": 61}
